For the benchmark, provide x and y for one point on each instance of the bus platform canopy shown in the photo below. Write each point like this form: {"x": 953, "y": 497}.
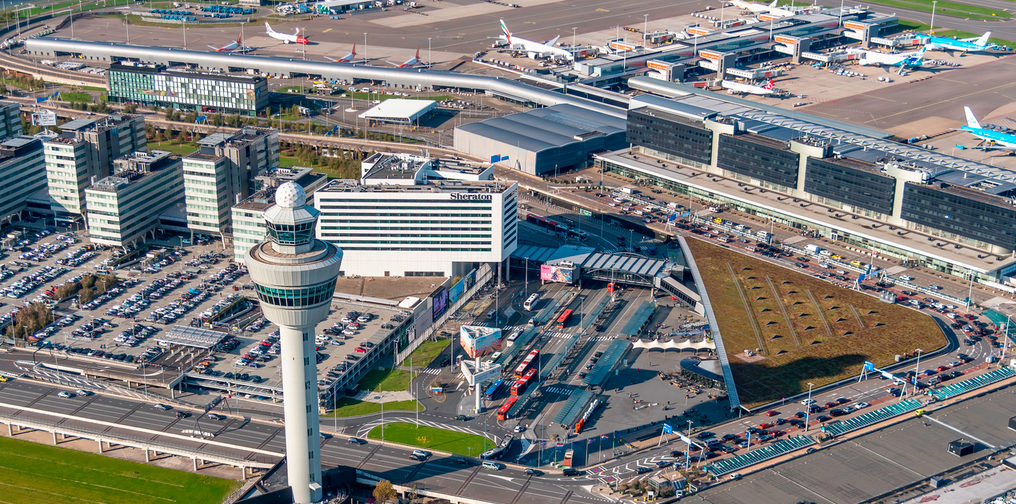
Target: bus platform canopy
{"x": 399, "y": 111}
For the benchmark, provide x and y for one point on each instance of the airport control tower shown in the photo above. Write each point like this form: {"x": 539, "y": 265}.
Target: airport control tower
{"x": 294, "y": 277}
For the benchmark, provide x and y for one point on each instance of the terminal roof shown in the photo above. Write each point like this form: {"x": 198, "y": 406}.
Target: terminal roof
{"x": 193, "y": 337}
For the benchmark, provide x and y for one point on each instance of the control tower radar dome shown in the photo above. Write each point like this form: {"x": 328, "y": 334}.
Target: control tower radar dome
{"x": 290, "y": 195}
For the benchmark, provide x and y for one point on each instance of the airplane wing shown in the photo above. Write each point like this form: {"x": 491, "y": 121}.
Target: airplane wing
{"x": 552, "y": 42}
{"x": 991, "y": 147}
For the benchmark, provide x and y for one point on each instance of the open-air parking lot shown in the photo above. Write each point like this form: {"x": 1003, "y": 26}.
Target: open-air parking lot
{"x": 348, "y": 343}
{"x": 127, "y": 325}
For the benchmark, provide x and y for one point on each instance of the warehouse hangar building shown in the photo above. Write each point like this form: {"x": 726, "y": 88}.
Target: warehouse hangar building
{"x": 542, "y": 141}
{"x": 838, "y": 181}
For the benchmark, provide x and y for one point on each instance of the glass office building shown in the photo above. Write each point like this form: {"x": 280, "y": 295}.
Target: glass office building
{"x": 198, "y": 91}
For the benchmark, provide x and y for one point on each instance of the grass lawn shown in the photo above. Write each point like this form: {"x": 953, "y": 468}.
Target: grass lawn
{"x": 176, "y": 148}
{"x": 807, "y": 329}
{"x": 43, "y": 474}
{"x": 287, "y": 161}
{"x": 295, "y": 89}
{"x": 389, "y": 380}
{"x": 92, "y": 88}
{"x": 434, "y": 438}
{"x": 76, "y": 97}
{"x": 347, "y": 172}
{"x": 914, "y": 25}
{"x": 427, "y": 352}
{"x": 349, "y": 407}
{"x": 947, "y": 8}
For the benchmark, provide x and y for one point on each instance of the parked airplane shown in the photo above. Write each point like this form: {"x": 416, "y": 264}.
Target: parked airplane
{"x": 285, "y": 37}
{"x": 990, "y": 139}
{"x": 971, "y": 44}
{"x": 232, "y": 46}
{"x": 902, "y": 60}
{"x": 410, "y": 63}
{"x": 345, "y": 59}
{"x": 535, "y": 49}
{"x": 754, "y": 7}
{"x": 737, "y": 87}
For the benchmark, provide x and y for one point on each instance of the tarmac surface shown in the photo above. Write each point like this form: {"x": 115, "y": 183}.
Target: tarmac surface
{"x": 447, "y": 30}
{"x": 929, "y": 106}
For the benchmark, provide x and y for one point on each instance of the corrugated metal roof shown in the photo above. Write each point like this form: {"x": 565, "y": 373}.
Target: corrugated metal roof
{"x": 499, "y": 134}
{"x": 671, "y": 106}
{"x": 551, "y": 127}
{"x": 533, "y": 253}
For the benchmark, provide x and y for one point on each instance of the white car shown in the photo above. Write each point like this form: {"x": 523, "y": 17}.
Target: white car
{"x": 808, "y": 402}
{"x": 66, "y": 395}
{"x": 861, "y": 405}
{"x": 83, "y": 392}
{"x": 906, "y": 278}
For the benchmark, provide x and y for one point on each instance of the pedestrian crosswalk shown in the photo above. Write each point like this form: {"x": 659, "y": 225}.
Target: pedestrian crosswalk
{"x": 559, "y": 390}
{"x": 432, "y": 371}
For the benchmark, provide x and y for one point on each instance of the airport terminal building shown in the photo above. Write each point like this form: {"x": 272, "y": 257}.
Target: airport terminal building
{"x": 826, "y": 179}
{"x": 397, "y": 220}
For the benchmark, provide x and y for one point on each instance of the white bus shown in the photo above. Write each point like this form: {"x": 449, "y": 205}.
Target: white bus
{"x": 531, "y": 302}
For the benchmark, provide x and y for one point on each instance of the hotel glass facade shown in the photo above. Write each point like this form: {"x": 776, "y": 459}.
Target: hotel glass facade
{"x": 200, "y": 91}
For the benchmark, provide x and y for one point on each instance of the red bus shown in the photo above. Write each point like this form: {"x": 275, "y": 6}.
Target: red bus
{"x": 563, "y": 319}
{"x": 526, "y": 363}
{"x": 543, "y": 222}
{"x": 520, "y": 386}
{"x": 502, "y": 413}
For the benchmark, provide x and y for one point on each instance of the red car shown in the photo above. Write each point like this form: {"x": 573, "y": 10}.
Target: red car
{"x": 772, "y": 413}
{"x": 764, "y": 425}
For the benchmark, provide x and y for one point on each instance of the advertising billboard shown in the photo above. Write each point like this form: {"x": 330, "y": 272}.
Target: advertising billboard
{"x": 550, "y": 273}
{"x": 440, "y": 299}
{"x": 476, "y": 340}
{"x": 455, "y": 292}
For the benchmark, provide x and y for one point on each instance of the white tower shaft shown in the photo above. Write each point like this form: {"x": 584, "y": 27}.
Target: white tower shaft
{"x": 294, "y": 276}
{"x": 299, "y": 387}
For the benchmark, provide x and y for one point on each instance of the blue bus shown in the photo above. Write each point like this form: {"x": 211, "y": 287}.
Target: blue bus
{"x": 493, "y": 389}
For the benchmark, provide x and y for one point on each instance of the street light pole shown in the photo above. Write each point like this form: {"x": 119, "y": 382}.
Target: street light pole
{"x": 917, "y": 369}
{"x": 365, "y": 60}
{"x": 933, "y": 5}
{"x": 807, "y": 412}
{"x": 430, "y": 56}
{"x": 645, "y": 27}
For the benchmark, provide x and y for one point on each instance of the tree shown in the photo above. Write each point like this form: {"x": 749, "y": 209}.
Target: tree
{"x": 130, "y": 108}
{"x": 384, "y": 492}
